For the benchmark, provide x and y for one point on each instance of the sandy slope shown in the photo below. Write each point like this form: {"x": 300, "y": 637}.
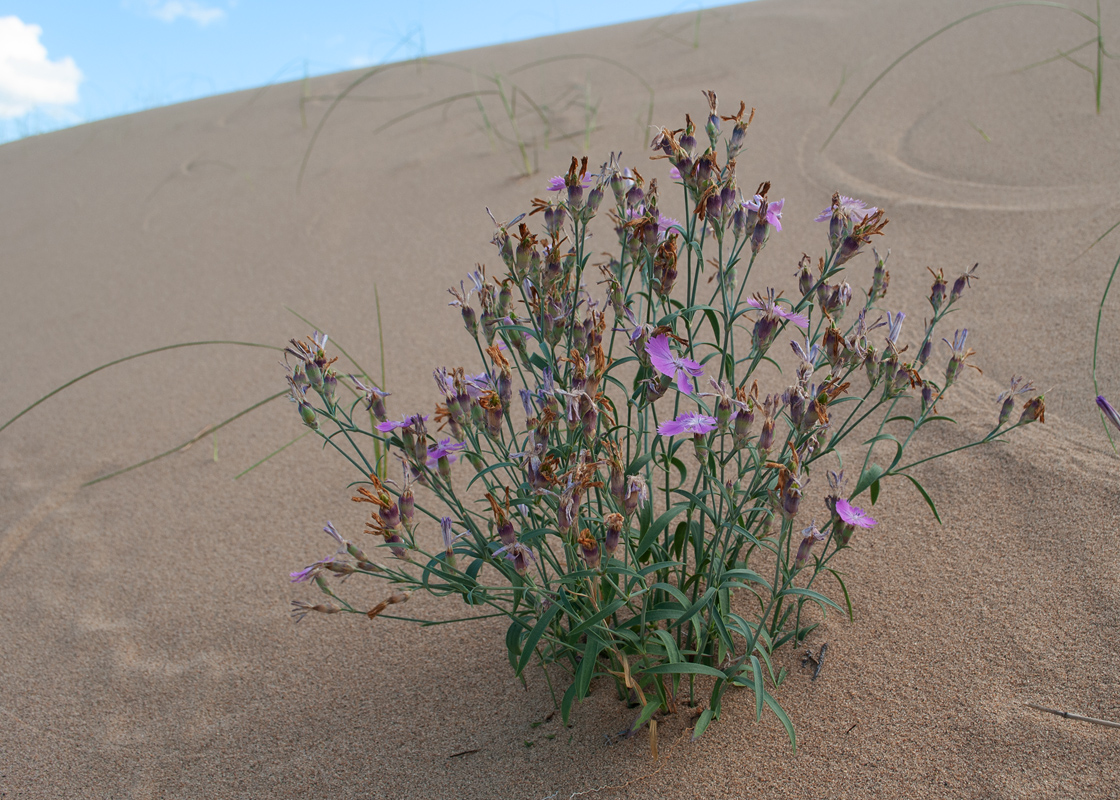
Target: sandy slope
{"x": 144, "y": 641}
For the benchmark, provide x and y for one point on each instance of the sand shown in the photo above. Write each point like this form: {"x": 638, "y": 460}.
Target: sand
{"x": 145, "y": 643}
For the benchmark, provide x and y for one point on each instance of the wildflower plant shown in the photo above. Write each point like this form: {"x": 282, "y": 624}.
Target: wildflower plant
{"x": 610, "y": 476}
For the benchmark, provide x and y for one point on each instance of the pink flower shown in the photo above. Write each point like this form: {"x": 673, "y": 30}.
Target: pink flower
{"x": 389, "y": 426}
{"x": 445, "y": 449}
{"x": 675, "y": 366}
{"x": 852, "y": 515}
{"x": 664, "y": 223}
{"x": 688, "y": 422}
{"x": 773, "y": 210}
{"x": 674, "y": 173}
{"x": 848, "y": 208}
{"x": 770, "y": 305}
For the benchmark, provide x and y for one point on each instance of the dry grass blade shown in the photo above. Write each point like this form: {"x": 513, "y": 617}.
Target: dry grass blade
{"x": 955, "y": 23}
{"x": 1106, "y": 723}
{"x": 179, "y": 448}
{"x": 129, "y": 358}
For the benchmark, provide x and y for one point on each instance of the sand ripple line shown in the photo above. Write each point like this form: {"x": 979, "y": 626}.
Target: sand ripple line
{"x": 17, "y": 533}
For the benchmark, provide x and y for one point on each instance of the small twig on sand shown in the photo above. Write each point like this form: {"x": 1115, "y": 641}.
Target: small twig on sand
{"x": 464, "y": 752}
{"x": 820, "y": 662}
{"x": 1068, "y": 715}
{"x": 816, "y": 660}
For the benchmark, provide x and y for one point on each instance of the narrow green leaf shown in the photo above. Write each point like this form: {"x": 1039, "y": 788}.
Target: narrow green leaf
{"x": 809, "y": 594}
{"x": 870, "y": 475}
{"x": 513, "y": 640}
{"x": 535, "y": 636}
{"x": 844, "y": 589}
{"x": 874, "y": 492}
{"x": 781, "y": 715}
{"x": 658, "y": 566}
{"x": 596, "y": 618}
{"x": 759, "y": 688}
{"x": 674, "y": 591}
{"x": 586, "y": 669}
{"x": 702, "y": 724}
{"x": 684, "y": 668}
{"x": 671, "y": 650}
{"x": 696, "y": 607}
{"x": 639, "y": 463}
{"x": 648, "y": 710}
{"x": 658, "y": 525}
{"x": 489, "y": 469}
{"x": 925, "y": 496}
{"x": 566, "y": 703}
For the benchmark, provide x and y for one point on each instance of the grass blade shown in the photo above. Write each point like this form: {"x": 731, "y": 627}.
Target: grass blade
{"x": 206, "y": 432}
{"x": 1096, "y": 346}
{"x": 129, "y": 358}
{"x": 270, "y": 455}
{"x": 937, "y": 33}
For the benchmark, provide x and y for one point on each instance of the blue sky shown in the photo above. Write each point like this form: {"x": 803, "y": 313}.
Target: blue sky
{"x": 64, "y": 62}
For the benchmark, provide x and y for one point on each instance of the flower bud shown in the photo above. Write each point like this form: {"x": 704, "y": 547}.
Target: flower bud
{"x": 1005, "y": 409}
{"x": 406, "y": 504}
{"x": 881, "y": 278}
{"x": 470, "y": 321}
{"x": 307, "y": 414}
{"x": 589, "y": 549}
{"x": 924, "y": 351}
{"x": 937, "y": 292}
{"x": 744, "y": 418}
{"x": 809, "y": 537}
{"x": 594, "y": 198}
{"x": 330, "y": 386}
{"x": 314, "y": 376}
{"x": 1034, "y": 410}
{"x": 766, "y": 436}
{"x": 805, "y": 275}
{"x": 636, "y": 491}
{"x": 614, "y": 522}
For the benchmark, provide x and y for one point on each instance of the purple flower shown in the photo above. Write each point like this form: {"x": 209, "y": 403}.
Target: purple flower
{"x": 689, "y": 422}
{"x": 445, "y": 449}
{"x": 330, "y": 531}
{"x": 666, "y": 362}
{"x": 894, "y": 326}
{"x": 809, "y": 537}
{"x": 849, "y": 208}
{"x": 1107, "y": 409}
{"x": 852, "y": 515}
{"x": 770, "y": 305}
{"x": 664, "y": 223}
{"x": 448, "y": 536}
{"x": 674, "y": 173}
{"x": 773, "y": 210}
{"x": 519, "y": 554}
{"x": 558, "y": 183}
{"x": 307, "y": 573}
{"x": 391, "y": 425}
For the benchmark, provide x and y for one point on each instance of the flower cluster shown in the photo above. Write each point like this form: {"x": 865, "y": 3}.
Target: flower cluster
{"x": 614, "y": 552}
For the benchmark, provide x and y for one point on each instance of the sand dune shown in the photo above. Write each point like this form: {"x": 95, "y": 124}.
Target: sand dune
{"x": 145, "y": 644}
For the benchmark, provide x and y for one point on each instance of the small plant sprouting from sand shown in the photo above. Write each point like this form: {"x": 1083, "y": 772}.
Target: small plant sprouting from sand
{"x": 1096, "y": 41}
{"x": 1109, "y": 415}
{"x": 627, "y": 474}
{"x": 505, "y": 89}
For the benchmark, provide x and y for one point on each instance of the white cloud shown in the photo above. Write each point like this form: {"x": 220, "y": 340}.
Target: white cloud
{"x": 171, "y": 10}
{"x": 28, "y": 78}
